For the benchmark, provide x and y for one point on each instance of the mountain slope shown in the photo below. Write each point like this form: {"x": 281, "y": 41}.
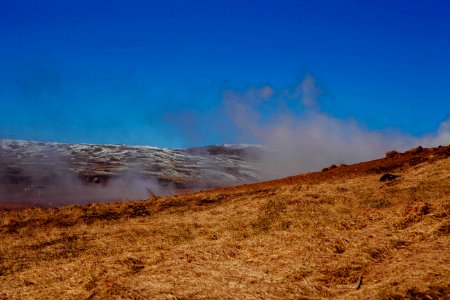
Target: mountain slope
{"x": 53, "y": 173}
{"x": 312, "y": 236}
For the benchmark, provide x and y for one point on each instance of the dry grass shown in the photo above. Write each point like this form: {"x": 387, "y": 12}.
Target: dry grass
{"x": 298, "y": 239}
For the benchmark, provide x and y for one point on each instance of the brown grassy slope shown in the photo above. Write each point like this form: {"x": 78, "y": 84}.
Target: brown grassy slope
{"x": 309, "y": 236}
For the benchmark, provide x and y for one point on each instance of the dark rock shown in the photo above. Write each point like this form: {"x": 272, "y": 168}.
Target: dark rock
{"x": 388, "y": 177}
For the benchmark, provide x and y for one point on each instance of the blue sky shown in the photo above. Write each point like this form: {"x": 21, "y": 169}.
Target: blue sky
{"x": 155, "y": 72}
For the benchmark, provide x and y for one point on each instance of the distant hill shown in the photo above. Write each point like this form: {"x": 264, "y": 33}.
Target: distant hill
{"x": 53, "y": 173}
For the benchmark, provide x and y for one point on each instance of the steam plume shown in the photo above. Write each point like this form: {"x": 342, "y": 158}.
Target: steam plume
{"x": 302, "y": 138}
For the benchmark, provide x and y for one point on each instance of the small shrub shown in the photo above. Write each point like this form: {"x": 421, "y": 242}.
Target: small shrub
{"x": 182, "y": 236}
{"x": 172, "y": 203}
{"x": 376, "y": 254}
{"x": 339, "y": 249}
{"x": 134, "y": 264}
{"x": 444, "y": 229}
{"x": 432, "y": 292}
{"x": 269, "y": 213}
{"x": 391, "y": 154}
{"x": 342, "y": 275}
{"x": 376, "y": 203}
{"x": 397, "y": 243}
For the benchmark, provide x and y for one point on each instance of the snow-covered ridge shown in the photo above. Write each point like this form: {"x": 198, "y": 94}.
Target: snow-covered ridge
{"x": 29, "y": 163}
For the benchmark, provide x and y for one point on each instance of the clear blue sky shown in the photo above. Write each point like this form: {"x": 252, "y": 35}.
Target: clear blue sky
{"x": 122, "y": 71}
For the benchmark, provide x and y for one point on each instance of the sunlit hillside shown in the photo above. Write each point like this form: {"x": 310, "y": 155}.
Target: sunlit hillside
{"x": 339, "y": 233}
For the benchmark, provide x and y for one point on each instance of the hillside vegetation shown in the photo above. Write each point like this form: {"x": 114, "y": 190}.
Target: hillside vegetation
{"x": 312, "y": 236}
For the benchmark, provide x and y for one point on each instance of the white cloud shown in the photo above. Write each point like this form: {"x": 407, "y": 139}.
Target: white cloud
{"x": 313, "y": 139}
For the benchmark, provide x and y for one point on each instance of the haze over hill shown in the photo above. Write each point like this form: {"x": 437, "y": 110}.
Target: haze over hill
{"x": 40, "y": 173}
